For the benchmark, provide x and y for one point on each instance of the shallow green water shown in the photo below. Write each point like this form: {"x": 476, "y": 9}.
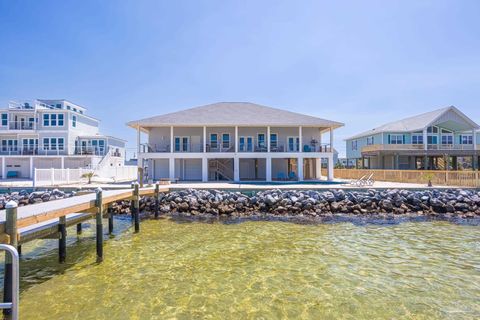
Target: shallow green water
{"x": 262, "y": 270}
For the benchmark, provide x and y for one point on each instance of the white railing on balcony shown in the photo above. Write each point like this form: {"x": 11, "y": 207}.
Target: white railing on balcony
{"x": 393, "y": 147}
{"x": 52, "y": 150}
{"x": 21, "y": 125}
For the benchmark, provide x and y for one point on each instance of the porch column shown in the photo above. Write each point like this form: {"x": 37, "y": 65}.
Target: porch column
{"x": 138, "y": 140}
{"x": 62, "y": 161}
{"x": 300, "y": 139}
{"x": 268, "y": 139}
{"x": 445, "y": 161}
{"x": 31, "y": 168}
{"x": 268, "y": 168}
{"x": 474, "y": 139}
{"x": 3, "y": 168}
{"x": 236, "y": 169}
{"x": 171, "y": 168}
{"x": 425, "y": 138}
{"x": 425, "y": 162}
{"x": 300, "y": 168}
{"x": 204, "y": 169}
{"x": 171, "y": 139}
{"x": 139, "y": 159}
{"x": 396, "y": 164}
{"x": 236, "y": 139}
{"x": 318, "y": 168}
{"x": 205, "y": 139}
{"x": 331, "y": 141}
{"x": 330, "y": 167}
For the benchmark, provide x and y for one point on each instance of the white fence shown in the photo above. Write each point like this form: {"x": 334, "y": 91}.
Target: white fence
{"x": 54, "y": 177}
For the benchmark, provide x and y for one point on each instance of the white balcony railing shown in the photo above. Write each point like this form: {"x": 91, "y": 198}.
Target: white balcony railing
{"x": 409, "y": 147}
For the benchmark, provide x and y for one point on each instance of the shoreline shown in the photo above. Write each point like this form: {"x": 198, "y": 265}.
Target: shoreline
{"x": 448, "y": 204}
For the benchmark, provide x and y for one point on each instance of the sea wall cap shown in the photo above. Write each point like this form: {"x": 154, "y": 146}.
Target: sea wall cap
{"x": 11, "y": 204}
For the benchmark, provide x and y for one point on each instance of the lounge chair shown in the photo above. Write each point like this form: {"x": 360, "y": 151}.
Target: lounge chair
{"x": 370, "y": 181}
{"x": 281, "y": 176}
{"x": 359, "y": 182}
{"x": 292, "y": 176}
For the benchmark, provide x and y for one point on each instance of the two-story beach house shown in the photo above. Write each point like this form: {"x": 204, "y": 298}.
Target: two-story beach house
{"x": 443, "y": 139}
{"x": 235, "y": 141}
{"x": 52, "y": 134}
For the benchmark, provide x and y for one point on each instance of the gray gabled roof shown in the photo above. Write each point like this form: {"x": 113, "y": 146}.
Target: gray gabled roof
{"x": 233, "y": 114}
{"x": 415, "y": 123}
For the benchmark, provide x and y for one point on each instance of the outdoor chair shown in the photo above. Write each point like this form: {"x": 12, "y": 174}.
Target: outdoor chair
{"x": 280, "y": 176}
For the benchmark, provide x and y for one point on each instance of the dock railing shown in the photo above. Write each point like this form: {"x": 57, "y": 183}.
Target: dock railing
{"x": 12, "y": 282}
{"x": 438, "y": 177}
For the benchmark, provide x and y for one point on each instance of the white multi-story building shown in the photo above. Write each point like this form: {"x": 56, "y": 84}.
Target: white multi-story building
{"x": 235, "y": 141}
{"x": 52, "y": 134}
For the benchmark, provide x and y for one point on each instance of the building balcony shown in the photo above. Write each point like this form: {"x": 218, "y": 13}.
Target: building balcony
{"x": 21, "y": 125}
{"x": 419, "y": 147}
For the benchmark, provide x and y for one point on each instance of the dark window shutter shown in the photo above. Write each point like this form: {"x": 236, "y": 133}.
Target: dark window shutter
{"x": 388, "y": 139}
{"x": 403, "y": 139}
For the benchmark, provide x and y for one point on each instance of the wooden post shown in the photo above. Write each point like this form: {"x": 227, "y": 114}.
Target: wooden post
{"x": 157, "y": 200}
{"x": 132, "y": 204}
{"x": 99, "y": 205}
{"x": 136, "y": 207}
{"x": 11, "y": 231}
{"x": 62, "y": 239}
{"x": 79, "y": 228}
{"x": 110, "y": 219}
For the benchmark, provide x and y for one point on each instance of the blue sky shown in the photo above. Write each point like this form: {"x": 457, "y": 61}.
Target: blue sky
{"x": 359, "y": 62}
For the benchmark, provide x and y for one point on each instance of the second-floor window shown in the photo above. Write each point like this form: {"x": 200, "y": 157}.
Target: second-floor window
{"x": 293, "y": 144}
{"x": 354, "y": 145}
{"x": 53, "y": 144}
{"x": 53, "y": 119}
{"x": 370, "y": 141}
{"x": 261, "y": 140}
{"x": 417, "y": 139}
{"x": 213, "y": 140}
{"x": 466, "y": 139}
{"x": 4, "y": 119}
{"x": 396, "y": 139}
{"x": 74, "y": 121}
{"x": 9, "y": 145}
{"x": 447, "y": 139}
{"x": 273, "y": 140}
{"x": 225, "y": 140}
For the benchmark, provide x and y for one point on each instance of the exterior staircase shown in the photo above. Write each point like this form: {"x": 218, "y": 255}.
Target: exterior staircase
{"x": 220, "y": 170}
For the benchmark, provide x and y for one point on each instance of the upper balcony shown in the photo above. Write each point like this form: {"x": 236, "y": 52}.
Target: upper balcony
{"x": 417, "y": 147}
{"x": 235, "y": 139}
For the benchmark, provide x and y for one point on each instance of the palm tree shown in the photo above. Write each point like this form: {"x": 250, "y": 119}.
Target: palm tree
{"x": 89, "y": 176}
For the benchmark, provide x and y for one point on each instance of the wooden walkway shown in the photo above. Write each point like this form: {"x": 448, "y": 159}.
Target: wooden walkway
{"x": 43, "y": 219}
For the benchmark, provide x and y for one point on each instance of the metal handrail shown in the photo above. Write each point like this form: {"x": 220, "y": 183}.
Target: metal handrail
{"x": 13, "y": 305}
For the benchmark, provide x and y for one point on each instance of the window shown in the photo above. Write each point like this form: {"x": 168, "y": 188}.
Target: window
{"x": 417, "y": 139}
{"x": 4, "y": 119}
{"x": 261, "y": 140}
{"x": 396, "y": 139}
{"x": 46, "y": 144}
{"x": 432, "y": 129}
{"x": 246, "y": 144}
{"x": 53, "y": 119}
{"x": 61, "y": 144}
{"x": 432, "y": 139}
{"x": 225, "y": 140}
{"x": 241, "y": 143}
{"x": 181, "y": 144}
{"x": 9, "y": 145}
{"x": 68, "y": 107}
{"x": 447, "y": 139}
{"x": 213, "y": 141}
{"x": 370, "y": 141}
{"x": 58, "y": 106}
{"x": 466, "y": 139}
{"x": 74, "y": 121}
{"x": 293, "y": 143}
{"x": 273, "y": 140}
{"x": 354, "y": 145}
{"x": 75, "y": 109}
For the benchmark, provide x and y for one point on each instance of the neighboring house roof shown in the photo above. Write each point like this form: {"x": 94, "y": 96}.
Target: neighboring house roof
{"x": 417, "y": 123}
{"x": 233, "y": 114}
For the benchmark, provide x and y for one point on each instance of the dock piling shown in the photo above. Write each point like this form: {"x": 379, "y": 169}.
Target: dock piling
{"x": 136, "y": 207}
{"x": 157, "y": 200}
{"x": 99, "y": 216}
{"x": 62, "y": 239}
{"x": 79, "y": 228}
{"x": 11, "y": 230}
{"x": 132, "y": 203}
{"x": 110, "y": 219}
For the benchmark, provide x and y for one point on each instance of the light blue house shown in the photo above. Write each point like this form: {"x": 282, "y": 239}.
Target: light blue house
{"x": 443, "y": 139}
